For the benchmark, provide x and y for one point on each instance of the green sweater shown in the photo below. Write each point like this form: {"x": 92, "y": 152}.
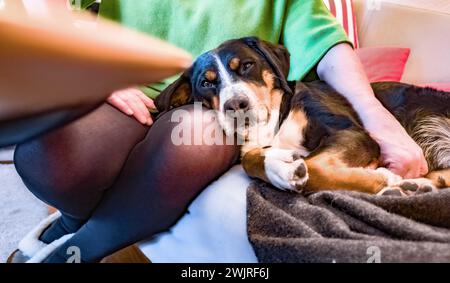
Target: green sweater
{"x": 305, "y": 27}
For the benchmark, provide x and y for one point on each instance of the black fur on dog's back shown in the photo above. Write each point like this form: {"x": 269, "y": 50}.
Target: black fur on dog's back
{"x": 406, "y": 101}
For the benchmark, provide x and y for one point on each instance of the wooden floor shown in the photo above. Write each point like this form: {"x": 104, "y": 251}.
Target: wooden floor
{"x": 131, "y": 254}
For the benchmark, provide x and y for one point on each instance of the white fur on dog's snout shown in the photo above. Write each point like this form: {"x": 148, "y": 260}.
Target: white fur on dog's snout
{"x": 229, "y": 90}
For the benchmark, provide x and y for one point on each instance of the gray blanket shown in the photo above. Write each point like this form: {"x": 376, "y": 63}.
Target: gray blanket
{"x": 348, "y": 226}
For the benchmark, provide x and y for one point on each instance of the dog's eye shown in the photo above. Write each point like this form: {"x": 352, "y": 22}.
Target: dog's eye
{"x": 208, "y": 84}
{"x": 246, "y": 66}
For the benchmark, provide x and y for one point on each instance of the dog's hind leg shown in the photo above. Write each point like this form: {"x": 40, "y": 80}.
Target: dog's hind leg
{"x": 345, "y": 162}
{"x": 328, "y": 171}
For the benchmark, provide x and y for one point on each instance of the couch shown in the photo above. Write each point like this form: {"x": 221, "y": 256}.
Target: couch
{"x": 424, "y": 30}
{"x": 214, "y": 230}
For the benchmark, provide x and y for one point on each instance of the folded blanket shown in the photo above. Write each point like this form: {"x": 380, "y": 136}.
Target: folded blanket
{"x": 347, "y": 226}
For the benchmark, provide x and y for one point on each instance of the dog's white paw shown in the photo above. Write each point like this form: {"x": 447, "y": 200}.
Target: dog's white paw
{"x": 286, "y": 169}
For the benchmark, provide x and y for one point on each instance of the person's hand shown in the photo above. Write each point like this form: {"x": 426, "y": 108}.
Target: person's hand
{"x": 133, "y": 102}
{"x": 399, "y": 153}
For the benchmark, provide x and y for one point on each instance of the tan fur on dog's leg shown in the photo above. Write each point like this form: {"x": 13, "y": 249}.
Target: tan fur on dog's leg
{"x": 328, "y": 172}
{"x": 253, "y": 163}
{"x": 441, "y": 178}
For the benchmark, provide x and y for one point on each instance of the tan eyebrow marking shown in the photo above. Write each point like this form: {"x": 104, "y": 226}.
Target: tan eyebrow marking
{"x": 211, "y": 75}
{"x": 234, "y": 63}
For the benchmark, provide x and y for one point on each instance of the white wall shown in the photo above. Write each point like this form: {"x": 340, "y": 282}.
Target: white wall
{"x": 433, "y": 5}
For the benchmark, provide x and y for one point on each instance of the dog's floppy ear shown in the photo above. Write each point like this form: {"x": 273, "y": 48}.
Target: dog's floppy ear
{"x": 177, "y": 94}
{"x": 276, "y": 55}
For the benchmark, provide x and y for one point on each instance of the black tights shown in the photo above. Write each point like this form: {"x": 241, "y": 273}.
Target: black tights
{"x": 115, "y": 181}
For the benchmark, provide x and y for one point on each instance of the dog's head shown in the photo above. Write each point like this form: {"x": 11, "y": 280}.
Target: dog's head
{"x": 240, "y": 77}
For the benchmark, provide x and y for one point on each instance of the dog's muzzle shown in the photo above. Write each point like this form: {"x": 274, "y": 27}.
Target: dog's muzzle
{"x": 239, "y": 103}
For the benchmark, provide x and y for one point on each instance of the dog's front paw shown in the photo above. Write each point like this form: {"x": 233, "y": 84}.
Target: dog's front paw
{"x": 286, "y": 169}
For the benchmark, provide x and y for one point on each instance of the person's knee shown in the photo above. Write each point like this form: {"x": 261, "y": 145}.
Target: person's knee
{"x": 34, "y": 174}
{"x": 209, "y": 142}
{"x": 192, "y": 146}
{"x": 196, "y": 128}
{"x": 46, "y": 172}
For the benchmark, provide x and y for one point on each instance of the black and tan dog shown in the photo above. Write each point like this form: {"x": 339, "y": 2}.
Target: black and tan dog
{"x": 305, "y": 136}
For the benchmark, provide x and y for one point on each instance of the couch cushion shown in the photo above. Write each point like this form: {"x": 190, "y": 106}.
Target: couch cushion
{"x": 384, "y": 63}
{"x": 424, "y": 30}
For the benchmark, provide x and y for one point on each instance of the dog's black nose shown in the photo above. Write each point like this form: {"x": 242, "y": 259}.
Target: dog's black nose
{"x": 239, "y": 103}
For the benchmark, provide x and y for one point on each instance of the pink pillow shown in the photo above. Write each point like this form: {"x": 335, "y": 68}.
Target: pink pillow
{"x": 384, "y": 63}
{"x": 439, "y": 86}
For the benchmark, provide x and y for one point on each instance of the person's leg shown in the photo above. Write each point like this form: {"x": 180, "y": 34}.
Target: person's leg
{"x": 20, "y": 130}
{"x": 71, "y": 167}
{"x": 158, "y": 182}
